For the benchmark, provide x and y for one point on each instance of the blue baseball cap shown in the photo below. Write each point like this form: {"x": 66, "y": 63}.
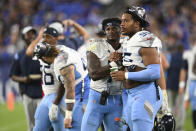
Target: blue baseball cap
{"x": 51, "y": 31}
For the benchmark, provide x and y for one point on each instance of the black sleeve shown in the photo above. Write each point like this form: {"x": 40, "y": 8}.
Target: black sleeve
{"x": 185, "y": 65}
{"x": 15, "y": 67}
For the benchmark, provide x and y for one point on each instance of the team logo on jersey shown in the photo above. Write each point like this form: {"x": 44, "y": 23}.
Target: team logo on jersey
{"x": 92, "y": 47}
{"x": 149, "y": 38}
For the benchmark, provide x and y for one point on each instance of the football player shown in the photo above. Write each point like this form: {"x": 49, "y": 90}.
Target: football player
{"x": 188, "y": 69}
{"x": 50, "y": 87}
{"x": 142, "y": 70}
{"x": 69, "y": 71}
{"x": 49, "y": 35}
{"x": 105, "y": 101}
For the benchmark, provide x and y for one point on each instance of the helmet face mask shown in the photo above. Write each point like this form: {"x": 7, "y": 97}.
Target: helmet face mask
{"x": 41, "y": 50}
{"x": 165, "y": 123}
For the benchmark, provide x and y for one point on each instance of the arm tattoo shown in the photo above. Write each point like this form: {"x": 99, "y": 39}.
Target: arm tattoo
{"x": 69, "y": 84}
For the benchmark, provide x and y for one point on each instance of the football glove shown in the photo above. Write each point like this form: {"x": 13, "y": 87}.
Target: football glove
{"x": 165, "y": 107}
{"x": 53, "y": 112}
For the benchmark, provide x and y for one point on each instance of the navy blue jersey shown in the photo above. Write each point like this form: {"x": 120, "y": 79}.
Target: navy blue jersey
{"x": 173, "y": 73}
{"x": 73, "y": 43}
{"x": 23, "y": 65}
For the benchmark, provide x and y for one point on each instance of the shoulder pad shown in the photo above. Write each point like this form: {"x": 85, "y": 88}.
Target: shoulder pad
{"x": 143, "y": 39}
{"x": 61, "y": 61}
{"x": 157, "y": 43}
{"x": 94, "y": 44}
{"x": 63, "y": 56}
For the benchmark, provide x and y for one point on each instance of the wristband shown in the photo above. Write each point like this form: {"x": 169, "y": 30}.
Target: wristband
{"x": 68, "y": 114}
{"x": 67, "y": 101}
{"x": 113, "y": 64}
{"x": 126, "y": 75}
{"x": 181, "y": 84}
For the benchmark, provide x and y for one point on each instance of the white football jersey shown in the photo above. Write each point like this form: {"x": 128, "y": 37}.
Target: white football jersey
{"x": 49, "y": 81}
{"x": 102, "y": 49}
{"x": 68, "y": 57}
{"x": 132, "y": 46}
{"x": 82, "y": 52}
{"x": 190, "y": 57}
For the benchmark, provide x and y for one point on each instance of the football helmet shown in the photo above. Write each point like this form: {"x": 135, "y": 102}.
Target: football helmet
{"x": 139, "y": 13}
{"x": 165, "y": 123}
{"x": 41, "y": 49}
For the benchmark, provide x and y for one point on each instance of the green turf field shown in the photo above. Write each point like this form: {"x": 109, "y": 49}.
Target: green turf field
{"x": 12, "y": 121}
{"x": 15, "y": 121}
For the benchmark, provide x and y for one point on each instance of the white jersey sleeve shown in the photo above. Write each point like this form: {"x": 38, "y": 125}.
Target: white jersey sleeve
{"x": 132, "y": 46}
{"x": 61, "y": 62}
{"x": 146, "y": 39}
{"x": 95, "y": 47}
{"x": 66, "y": 58}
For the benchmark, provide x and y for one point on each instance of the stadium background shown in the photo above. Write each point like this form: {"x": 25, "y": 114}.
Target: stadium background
{"x": 173, "y": 21}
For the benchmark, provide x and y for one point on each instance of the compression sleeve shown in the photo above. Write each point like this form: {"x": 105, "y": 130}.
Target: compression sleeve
{"x": 152, "y": 72}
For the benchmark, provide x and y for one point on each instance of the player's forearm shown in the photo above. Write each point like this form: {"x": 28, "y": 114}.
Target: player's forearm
{"x": 81, "y": 30}
{"x": 30, "y": 48}
{"x": 69, "y": 84}
{"x": 18, "y": 78}
{"x": 70, "y": 92}
{"x": 151, "y": 73}
{"x": 69, "y": 98}
{"x": 183, "y": 73}
{"x": 97, "y": 74}
{"x": 70, "y": 95}
{"x": 60, "y": 93}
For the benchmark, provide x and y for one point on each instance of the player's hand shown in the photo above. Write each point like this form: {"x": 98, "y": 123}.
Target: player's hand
{"x": 115, "y": 56}
{"x": 67, "y": 122}
{"x": 68, "y": 22}
{"x": 118, "y": 75}
{"x": 53, "y": 112}
{"x": 181, "y": 90}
